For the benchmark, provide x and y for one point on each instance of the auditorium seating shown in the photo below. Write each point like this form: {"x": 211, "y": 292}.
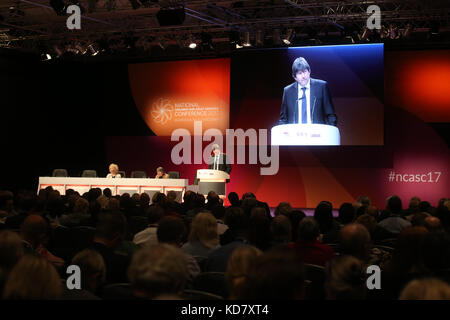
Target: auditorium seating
{"x": 89, "y": 174}
{"x": 138, "y": 174}
{"x": 174, "y": 174}
{"x": 60, "y": 173}
{"x": 122, "y": 174}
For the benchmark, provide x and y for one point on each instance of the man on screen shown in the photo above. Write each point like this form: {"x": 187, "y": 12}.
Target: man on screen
{"x": 307, "y": 100}
{"x": 219, "y": 161}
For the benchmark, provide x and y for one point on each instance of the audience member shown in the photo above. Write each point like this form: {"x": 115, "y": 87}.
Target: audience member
{"x": 110, "y": 232}
{"x": 276, "y": 275}
{"x": 345, "y": 279}
{"x": 203, "y": 236}
{"x": 329, "y": 228}
{"x": 33, "y": 278}
{"x": 158, "y": 270}
{"x": 426, "y": 289}
{"x": 308, "y": 246}
{"x": 93, "y": 274}
{"x": 241, "y": 262}
{"x": 148, "y": 236}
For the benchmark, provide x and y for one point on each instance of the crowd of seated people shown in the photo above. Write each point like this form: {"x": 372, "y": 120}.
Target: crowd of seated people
{"x": 134, "y": 247}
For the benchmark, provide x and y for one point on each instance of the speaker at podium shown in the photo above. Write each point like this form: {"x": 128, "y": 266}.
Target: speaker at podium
{"x": 212, "y": 180}
{"x": 305, "y": 135}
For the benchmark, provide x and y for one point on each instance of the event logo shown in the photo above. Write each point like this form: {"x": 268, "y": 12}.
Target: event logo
{"x": 162, "y": 110}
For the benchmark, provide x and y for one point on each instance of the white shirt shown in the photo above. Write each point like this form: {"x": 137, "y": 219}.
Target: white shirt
{"x": 308, "y": 102}
{"x": 110, "y": 176}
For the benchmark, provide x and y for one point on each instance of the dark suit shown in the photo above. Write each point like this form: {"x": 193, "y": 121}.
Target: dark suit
{"x": 322, "y": 110}
{"x": 224, "y": 164}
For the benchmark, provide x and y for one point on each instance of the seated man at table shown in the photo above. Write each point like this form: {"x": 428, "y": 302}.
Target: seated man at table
{"x": 161, "y": 174}
{"x": 113, "y": 171}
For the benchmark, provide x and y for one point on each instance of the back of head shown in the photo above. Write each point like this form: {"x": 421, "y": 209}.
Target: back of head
{"x": 171, "y": 196}
{"x": 436, "y": 251}
{"x": 248, "y": 204}
{"x": 283, "y": 208}
{"x": 277, "y": 275}
{"x": 418, "y": 219}
{"x": 233, "y": 198}
{"x": 414, "y": 205}
{"x": 34, "y": 229}
{"x": 346, "y": 213}
{"x": 235, "y": 218}
{"x": 354, "y": 239}
{"x": 281, "y": 229}
{"x": 189, "y": 197}
{"x": 156, "y": 270}
{"x": 33, "y": 278}
{"x": 110, "y": 226}
{"x": 424, "y": 206}
{"x": 408, "y": 252}
{"x": 154, "y": 213}
{"x": 373, "y": 211}
{"x": 324, "y": 215}
{"x": 308, "y": 229}
{"x": 170, "y": 230}
{"x": 107, "y": 192}
{"x": 91, "y": 265}
{"x": 345, "y": 279}
{"x": 239, "y": 265}
{"x": 11, "y": 250}
{"x": 136, "y": 197}
{"x": 433, "y": 224}
{"x": 365, "y": 200}
{"x": 394, "y": 205}
{"x": 367, "y": 221}
{"x": 144, "y": 200}
{"x": 426, "y": 289}
{"x": 81, "y": 206}
{"x": 204, "y": 230}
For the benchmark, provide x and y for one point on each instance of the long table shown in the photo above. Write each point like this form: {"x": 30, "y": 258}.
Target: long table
{"x": 117, "y": 186}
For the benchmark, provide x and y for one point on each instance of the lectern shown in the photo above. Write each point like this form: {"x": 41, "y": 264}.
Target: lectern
{"x": 305, "y": 135}
{"x": 212, "y": 180}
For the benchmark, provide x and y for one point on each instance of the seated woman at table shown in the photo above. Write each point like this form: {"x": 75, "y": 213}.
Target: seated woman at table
{"x": 113, "y": 171}
{"x": 161, "y": 174}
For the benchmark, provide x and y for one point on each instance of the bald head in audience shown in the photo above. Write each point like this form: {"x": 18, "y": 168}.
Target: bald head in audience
{"x": 34, "y": 230}
{"x": 355, "y": 240}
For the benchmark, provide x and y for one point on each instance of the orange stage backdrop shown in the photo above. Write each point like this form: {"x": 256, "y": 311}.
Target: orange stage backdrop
{"x": 172, "y": 95}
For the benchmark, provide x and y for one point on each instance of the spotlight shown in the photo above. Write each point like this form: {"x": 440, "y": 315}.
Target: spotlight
{"x": 192, "y": 45}
{"x": 289, "y": 37}
{"x": 46, "y": 57}
{"x": 235, "y": 39}
{"x": 93, "y": 50}
{"x": 247, "y": 39}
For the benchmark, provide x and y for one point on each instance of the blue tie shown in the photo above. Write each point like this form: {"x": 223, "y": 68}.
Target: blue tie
{"x": 304, "y": 120}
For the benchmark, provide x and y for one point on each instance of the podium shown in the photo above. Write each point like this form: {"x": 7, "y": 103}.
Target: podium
{"x": 212, "y": 180}
{"x": 305, "y": 135}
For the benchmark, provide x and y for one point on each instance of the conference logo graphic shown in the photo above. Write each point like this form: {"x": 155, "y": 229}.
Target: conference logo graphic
{"x": 162, "y": 110}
